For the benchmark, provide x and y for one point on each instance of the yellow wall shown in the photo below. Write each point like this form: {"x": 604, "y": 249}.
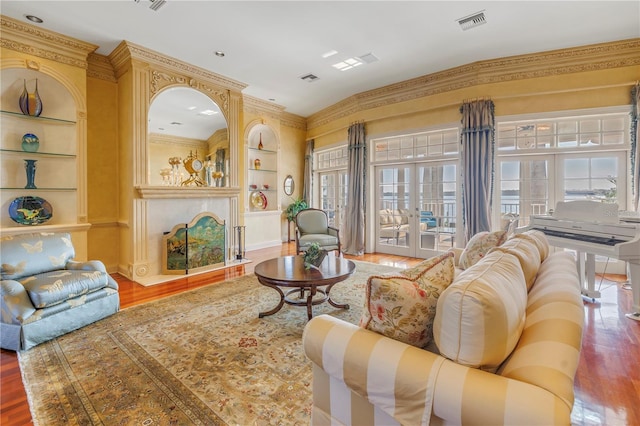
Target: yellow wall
{"x": 102, "y": 171}
{"x": 292, "y": 148}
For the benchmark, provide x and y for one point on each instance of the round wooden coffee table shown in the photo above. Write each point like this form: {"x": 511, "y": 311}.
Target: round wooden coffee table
{"x": 289, "y": 272}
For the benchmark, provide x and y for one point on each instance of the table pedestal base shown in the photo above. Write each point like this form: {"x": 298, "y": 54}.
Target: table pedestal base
{"x": 309, "y": 301}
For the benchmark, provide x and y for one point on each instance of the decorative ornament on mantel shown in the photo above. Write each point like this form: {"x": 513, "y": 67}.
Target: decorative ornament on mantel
{"x": 30, "y": 103}
{"x": 193, "y": 165}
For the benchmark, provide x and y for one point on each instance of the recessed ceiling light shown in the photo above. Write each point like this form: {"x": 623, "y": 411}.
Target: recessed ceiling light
{"x": 347, "y": 64}
{"x": 272, "y": 99}
{"x": 219, "y": 54}
{"x": 208, "y": 112}
{"x": 34, "y": 18}
{"x": 191, "y": 108}
{"x": 329, "y": 54}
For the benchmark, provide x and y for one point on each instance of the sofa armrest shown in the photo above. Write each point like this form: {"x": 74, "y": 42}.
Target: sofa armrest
{"x": 457, "y": 252}
{"x": 333, "y": 231}
{"x": 15, "y": 302}
{"x": 92, "y": 265}
{"x": 395, "y": 377}
{"x": 414, "y": 385}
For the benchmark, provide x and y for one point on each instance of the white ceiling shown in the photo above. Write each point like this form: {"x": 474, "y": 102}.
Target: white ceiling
{"x": 269, "y": 45}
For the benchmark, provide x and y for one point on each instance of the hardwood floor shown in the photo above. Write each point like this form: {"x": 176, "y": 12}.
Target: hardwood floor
{"x": 607, "y": 382}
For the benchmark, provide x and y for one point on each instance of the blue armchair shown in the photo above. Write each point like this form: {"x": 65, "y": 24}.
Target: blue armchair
{"x": 44, "y": 293}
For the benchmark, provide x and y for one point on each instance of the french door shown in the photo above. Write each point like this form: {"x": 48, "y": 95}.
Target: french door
{"x": 416, "y": 208}
{"x": 333, "y": 196}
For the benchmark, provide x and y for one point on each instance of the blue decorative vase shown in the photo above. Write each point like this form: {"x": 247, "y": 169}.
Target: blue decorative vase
{"x": 30, "y": 103}
{"x": 30, "y": 142}
{"x": 30, "y": 167}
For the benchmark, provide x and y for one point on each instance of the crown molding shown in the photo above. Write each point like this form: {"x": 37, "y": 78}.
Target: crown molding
{"x": 261, "y": 108}
{"x": 617, "y": 54}
{"x": 293, "y": 121}
{"x": 264, "y": 108}
{"x": 100, "y": 67}
{"x": 258, "y": 106}
{"x": 162, "y": 139}
{"x": 31, "y": 40}
{"x": 126, "y": 52}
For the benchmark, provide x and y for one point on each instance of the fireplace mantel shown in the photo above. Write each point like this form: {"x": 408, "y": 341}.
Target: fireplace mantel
{"x": 147, "y": 191}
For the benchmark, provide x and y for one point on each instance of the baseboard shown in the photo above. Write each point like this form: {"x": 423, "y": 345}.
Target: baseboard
{"x": 264, "y": 244}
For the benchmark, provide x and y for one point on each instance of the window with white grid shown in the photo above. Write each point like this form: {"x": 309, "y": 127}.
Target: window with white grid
{"x": 418, "y": 146}
{"x": 334, "y": 158}
{"x": 603, "y": 131}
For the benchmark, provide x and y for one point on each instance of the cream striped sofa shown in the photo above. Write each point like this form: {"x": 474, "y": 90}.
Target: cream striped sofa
{"x": 507, "y": 334}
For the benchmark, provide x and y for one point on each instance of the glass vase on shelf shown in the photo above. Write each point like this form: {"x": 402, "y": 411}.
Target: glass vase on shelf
{"x": 30, "y": 168}
{"x": 30, "y": 142}
{"x": 260, "y": 145}
{"x": 30, "y": 103}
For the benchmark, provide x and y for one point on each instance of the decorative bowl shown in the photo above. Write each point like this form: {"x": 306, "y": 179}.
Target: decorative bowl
{"x": 29, "y": 210}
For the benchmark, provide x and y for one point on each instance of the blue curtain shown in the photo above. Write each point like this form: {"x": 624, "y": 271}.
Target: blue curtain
{"x": 477, "y": 145}
{"x": 635, "y": 148}
{"x": 354, "y": 226}
{"x": 308, "y": 173}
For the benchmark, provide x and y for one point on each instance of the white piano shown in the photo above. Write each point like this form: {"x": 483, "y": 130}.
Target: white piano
{"x": 593, "y": 228}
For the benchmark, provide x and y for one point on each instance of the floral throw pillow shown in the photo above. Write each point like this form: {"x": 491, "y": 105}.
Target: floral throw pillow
{"x": 402, "y": 306}
{"x": 479, "y": 245}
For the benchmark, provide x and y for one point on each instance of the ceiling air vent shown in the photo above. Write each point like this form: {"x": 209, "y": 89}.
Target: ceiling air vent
{"x": 472, "y": 21}
{"x": 309, "y": 78}
{"x": 156, "y": 4}
{"x": 368, "y": 58}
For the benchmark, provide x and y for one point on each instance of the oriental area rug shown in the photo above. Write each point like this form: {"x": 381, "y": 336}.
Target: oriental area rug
{"x": 202, "y": 357}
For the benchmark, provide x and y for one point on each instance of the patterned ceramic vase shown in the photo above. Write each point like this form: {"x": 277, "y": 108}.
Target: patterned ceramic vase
{"x": 30, "y": 142}
{"x": 30, "y": 103}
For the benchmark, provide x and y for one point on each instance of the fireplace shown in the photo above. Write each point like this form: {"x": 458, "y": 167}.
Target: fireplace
{"x": 197, "y": 246}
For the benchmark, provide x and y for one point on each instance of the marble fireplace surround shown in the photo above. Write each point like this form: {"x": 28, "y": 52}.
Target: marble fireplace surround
{"x": 160, "y": 208}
